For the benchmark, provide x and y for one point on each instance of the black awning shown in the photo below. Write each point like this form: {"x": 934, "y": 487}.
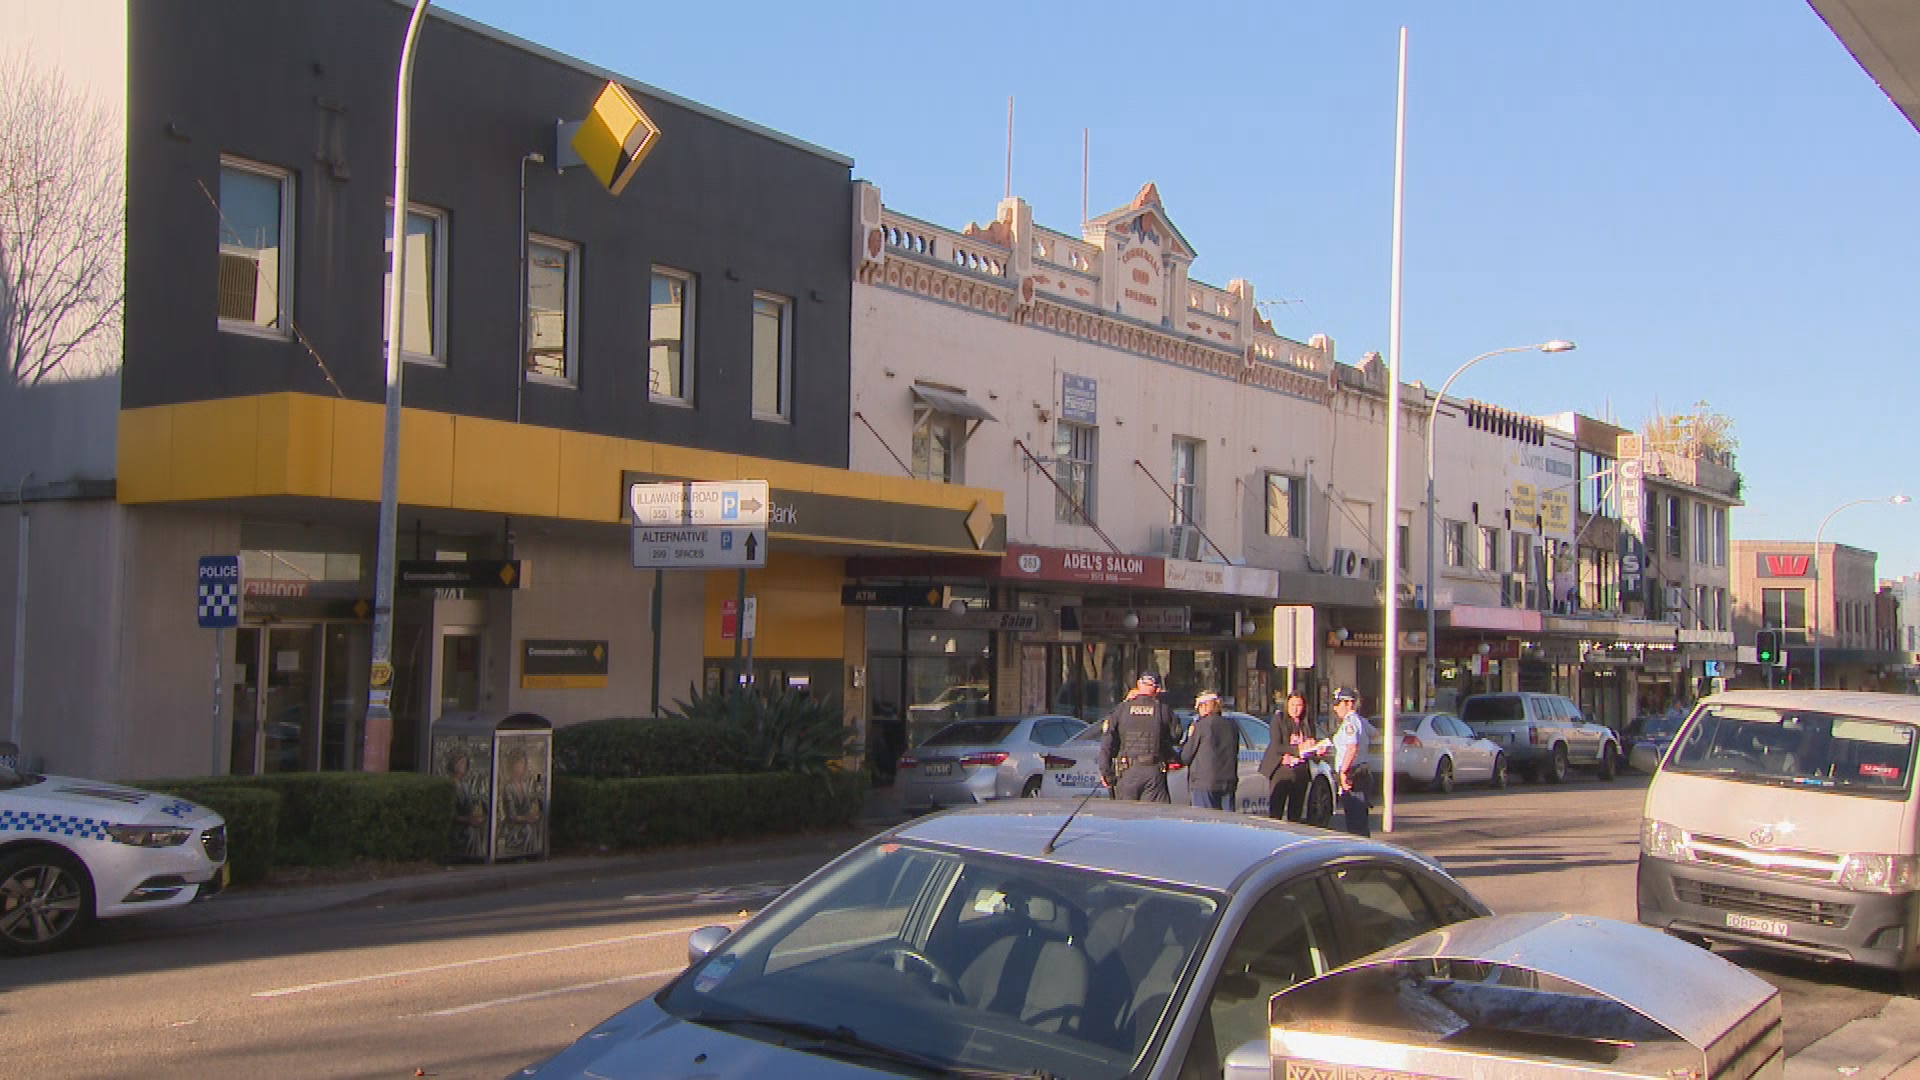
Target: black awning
{"x": 947, "y": 401}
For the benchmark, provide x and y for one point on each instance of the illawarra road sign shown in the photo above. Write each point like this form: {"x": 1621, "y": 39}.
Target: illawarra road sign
{"x": 697, "y": 547}
{"x": 730, "y": 502}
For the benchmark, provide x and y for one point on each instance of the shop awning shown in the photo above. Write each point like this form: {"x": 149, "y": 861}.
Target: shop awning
{"x": 947, "y": 401}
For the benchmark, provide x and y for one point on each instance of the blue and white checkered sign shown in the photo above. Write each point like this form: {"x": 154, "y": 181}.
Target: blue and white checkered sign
{"x": 219, "y": 592}
{"x": 32, "y": 821}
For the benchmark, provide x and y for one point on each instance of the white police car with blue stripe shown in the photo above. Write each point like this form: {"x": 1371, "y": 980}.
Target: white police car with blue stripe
{"x": 75, "y": 850}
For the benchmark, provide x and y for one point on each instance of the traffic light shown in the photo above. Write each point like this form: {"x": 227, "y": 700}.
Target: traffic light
{"x": 1766, "y": 647}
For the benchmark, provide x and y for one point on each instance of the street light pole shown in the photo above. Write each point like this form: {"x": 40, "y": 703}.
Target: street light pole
{"x": 1897, "y": 500}
{"x": 1431, "y": 682}
{"x": 378, "y": 735}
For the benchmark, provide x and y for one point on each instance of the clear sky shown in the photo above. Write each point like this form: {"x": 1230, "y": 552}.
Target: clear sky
{"x": 1711, "y": 197}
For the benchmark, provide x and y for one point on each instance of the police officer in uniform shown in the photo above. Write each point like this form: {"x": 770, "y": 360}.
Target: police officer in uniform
{"x": 1137, "y": 743}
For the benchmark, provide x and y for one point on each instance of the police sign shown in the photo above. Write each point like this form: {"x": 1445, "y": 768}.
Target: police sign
{"x": 218, "y": 603}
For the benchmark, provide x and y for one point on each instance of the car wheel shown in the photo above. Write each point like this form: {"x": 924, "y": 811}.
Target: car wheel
{"x": 1609, "y": 762}
{"x": 1443, "y": 777}
{"x": 1032, "y": 790}
{"x": 1557, "y": 768}
{"x": 1499, "y": 778}
{"x": 46, "y": 899}
{"x": 1319, "y": 811}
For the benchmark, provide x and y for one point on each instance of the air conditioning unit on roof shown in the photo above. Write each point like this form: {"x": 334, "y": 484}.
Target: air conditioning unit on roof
{"x": 1346, "y": 563}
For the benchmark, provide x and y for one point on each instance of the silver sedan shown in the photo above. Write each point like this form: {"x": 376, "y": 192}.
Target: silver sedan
{"x": 975, "y": 761}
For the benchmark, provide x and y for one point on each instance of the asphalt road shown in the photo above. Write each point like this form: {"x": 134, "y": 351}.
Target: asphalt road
{"x": 481, "y": 985}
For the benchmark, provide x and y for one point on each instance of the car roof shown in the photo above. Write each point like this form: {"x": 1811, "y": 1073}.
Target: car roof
{"x": 1179, "y": 845}
{"x": 1903, "y": 708}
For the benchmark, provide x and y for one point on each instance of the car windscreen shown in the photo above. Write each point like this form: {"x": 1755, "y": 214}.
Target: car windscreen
{"x": 1798, "y": 748}
{"x": 959, "y": 959}
{"x": 1493, "y": 710}
{"x": 974, "y": 733}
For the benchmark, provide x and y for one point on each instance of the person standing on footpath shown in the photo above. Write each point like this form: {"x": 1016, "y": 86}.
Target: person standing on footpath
{"x": 1349, "y": 763}
{"x": 1136, "y": 743}
{"x": 1285, "y": 762}
{"x": 1211, "y": 754}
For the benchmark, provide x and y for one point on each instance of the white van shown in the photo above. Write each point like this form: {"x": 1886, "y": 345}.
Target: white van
{"x": 1786, "y": 820}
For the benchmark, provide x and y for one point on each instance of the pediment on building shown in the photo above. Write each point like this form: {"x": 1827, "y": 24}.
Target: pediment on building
{"x": 1142, "y": 221}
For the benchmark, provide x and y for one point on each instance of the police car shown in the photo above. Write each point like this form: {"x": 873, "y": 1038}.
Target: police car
{"x": 1073, "y": 768}
{"x": 75, "y": 850}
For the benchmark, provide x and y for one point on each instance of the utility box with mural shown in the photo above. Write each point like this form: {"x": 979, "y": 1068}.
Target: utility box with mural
{"x": 502, "y": 768}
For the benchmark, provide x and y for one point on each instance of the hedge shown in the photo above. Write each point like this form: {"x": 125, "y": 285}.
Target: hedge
{"x": 642, "y": 812}
{"x": 334, "y": 817}
{"x": 253, "y": 821}
{"x": 635, "y": 747}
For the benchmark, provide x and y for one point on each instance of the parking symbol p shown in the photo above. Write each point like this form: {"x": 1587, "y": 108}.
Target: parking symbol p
{"x": 729, "y": 505}
{"x": 726, "y": 539}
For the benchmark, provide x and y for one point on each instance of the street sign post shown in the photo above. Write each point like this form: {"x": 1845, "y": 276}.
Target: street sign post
{"x": 217, "y": 608}
{"x": 1292, "y": 639}
{"x": 726, "y": 502}
{"x": 702, "y": 525}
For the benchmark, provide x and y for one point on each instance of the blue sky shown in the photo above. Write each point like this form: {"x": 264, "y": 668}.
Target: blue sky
{"x": 1711, "y": 198}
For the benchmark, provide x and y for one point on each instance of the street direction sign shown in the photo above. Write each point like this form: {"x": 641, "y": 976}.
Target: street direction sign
{"x": 218, "y": 596}
{"x": 727, "y": 502}
{"x": 698, "y": 547}
{"x": 1293, "y": 635}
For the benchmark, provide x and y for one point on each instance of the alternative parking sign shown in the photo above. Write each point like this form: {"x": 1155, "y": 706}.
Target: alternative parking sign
{"x": 218, "y": 607}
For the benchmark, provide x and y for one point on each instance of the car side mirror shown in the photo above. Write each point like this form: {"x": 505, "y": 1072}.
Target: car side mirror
{"x": 1251, "y": 1060}
{"x": 705, "y": 940}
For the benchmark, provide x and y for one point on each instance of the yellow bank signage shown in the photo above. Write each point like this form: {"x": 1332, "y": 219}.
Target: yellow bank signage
{"x": 615, "y": 137}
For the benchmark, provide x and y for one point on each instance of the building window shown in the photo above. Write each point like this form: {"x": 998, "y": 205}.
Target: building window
{"x": 1785, "y": 609}
{"x": 1719, "y": 536}
{"x": 256, "y": 247}
{"x": 937, "y": 441}
{"x": 1489, "y": 548}
{"x": 1073, "y": 451}
{"x": 1676, "y": 527}
{"x": 1720, "y": 620}
{"x": 1456, "y": 534}
{"x": 1598, "y": 494}
{"x": 1186, "y": 481}
{"x": 1522, "y": 552}
{"x": 424, "y": 302}
{"x": 552, "y": 298}
{"x": 1406, "y": 547}
{"x": 1285, "y": 506}
{"x": 670, "y": 337}
{"x": 1702, "y": 534}
{"x": 1650, "y": 523}
{"x": 772, "y": 357}
{"x": 1702, "y": 609}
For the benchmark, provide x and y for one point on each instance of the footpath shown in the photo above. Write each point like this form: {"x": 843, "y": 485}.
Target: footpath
{"x": 1881, "y": 1046}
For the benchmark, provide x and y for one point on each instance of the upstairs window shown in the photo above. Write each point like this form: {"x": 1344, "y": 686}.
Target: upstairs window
{"x": 1285, "y": 507}
{"x": 670, "y": 337}
{"x": 423, "y": 303}
{"x": 256, "y": 247}
{"x": 772, "y": 357}
{"x": 552, "y": 296}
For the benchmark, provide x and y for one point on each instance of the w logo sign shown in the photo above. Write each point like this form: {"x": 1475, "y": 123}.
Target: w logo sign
{"x": 1786, "y": 565}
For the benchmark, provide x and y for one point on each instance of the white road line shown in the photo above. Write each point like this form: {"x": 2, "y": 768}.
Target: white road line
{"x": 287, "y": 991}
{"x": 538, "y": 994}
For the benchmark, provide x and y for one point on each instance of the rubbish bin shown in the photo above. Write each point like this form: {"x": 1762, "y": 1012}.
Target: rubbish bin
{"x": 500, "y": 765}
{"x": 1523, "y": 996}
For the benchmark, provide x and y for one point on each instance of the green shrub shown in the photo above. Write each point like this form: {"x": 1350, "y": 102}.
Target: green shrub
{"x": 791, "y": 732}
{"x": 630, "y": 747}
{"x": 253, "y": 821}
{"x": 643, "y": 812}
{"x": 334, "y": 817}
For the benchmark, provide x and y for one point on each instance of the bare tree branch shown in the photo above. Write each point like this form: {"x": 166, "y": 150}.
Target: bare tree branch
{"x": 62, "y": 227}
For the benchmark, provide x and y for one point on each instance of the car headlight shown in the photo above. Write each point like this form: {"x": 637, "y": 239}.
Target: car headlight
{"x": 1660, "y": 840}
{"x": 149, "y": 835}
{"x": 1880, "y": 873}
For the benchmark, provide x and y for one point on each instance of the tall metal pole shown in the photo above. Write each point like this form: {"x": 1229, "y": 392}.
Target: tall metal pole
{"x": 17, "y": 717}
{"x": 1433, "y": 413}
{"x": 1814, "y": 615}
{"x": 379, "y": 725}
{"x": 1390, "y": 667}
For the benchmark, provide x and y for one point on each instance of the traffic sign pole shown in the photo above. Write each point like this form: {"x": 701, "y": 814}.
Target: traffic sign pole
{"x": 219, "y": 646}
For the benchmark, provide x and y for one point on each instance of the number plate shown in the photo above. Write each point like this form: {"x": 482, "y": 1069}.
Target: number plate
{"x": 945, "y": 768}
{"x": 1759, "y": 926}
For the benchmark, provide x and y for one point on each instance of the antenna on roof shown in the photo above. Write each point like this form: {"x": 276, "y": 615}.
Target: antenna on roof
{"x": 1048, "y": 850}
{"x": 1084, "y": 139}
{"x": 1009, "y": 193}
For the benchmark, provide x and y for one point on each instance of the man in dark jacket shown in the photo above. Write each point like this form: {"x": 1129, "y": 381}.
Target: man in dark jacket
{"x": 1136, "y": 744}
{"x": 1285, "y": 763}
{"x": 1211, "y": 755}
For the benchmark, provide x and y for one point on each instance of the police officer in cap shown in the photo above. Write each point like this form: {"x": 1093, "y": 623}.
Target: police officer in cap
{"x": 1137, "y": 743}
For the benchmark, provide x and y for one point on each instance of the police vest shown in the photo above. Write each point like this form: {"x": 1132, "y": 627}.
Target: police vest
{"x": 1140, "y": 733}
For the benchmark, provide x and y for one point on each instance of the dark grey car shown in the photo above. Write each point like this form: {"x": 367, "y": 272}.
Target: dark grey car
{"x": 1015, "y": 939}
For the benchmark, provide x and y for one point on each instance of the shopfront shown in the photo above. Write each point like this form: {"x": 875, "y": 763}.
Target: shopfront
{"x": 1468, "y": 665}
